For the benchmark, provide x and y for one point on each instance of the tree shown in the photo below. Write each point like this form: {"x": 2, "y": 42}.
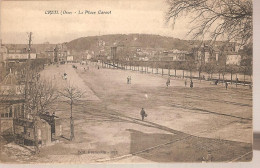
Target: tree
{"x": 175, "y": 65}
{"x": 217, "y": 19}
{"x": 246, "y": 70}
{"x": 222, "y": 70}
{"x": 210, "y": 69}
{"x": 232, "y": 69}
{"x": 73, "y": 94}
{"x": 200, "y": 68}
{"x": 39, "y": 96}
{"x": 190, "y": 65}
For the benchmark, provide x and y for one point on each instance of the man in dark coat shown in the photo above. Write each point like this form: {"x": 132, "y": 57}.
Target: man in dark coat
{"x": 143, "y": 114}
{"x": 168, "y": 82}
{"x": 191, "y": 84}
{"x": 226, "y": 84}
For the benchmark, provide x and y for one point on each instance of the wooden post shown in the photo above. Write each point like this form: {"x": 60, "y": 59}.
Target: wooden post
{"x": 199, "y": 76}
{"x": 162, "y": 71}
{"x": 236, "y": 80}
{"x": 244, "y": 78}
{"x": 231, "y": 77}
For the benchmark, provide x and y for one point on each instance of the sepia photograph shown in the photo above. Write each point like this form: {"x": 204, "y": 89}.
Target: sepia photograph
{"x": 126, "y": 81}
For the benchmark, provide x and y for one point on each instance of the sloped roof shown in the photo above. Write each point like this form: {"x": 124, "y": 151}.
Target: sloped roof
{"x": 10, "y": 79}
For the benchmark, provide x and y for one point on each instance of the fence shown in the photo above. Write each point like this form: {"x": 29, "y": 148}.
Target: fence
{"x": 241, "y": 78}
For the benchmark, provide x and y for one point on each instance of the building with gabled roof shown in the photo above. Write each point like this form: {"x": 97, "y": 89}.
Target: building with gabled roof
{"x": 11, "y": 102}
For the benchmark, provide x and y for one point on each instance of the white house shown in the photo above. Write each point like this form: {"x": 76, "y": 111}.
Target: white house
{"x": 233, "y": 59}
{"x": 70, "y": 58}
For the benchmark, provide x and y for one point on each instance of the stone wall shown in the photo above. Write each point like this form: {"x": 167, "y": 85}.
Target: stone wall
{"x": 6, "y": 126}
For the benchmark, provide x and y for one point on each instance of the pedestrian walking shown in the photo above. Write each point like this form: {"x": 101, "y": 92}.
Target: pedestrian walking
{"x": 168, "y": 82}
{"x": 191, "y": 84}
{"x": 216, "y": 82}
{"x": 127, "y": 79}
{"x": 143, "y": 114}
{"x": 65, "y": 76}
{"x": 226, "y": 84}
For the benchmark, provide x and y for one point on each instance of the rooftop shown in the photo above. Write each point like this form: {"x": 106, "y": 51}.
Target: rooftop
{"x": 10, "y": 79}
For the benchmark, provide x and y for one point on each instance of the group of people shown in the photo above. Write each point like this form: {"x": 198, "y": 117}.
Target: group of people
{"x": 191, "y": 83}
{"x": 87, "y": 68}
{"x": 168, "y": 82}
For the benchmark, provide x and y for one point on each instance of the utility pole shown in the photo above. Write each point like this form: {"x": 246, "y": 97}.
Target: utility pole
{"x": 29, "y": 45}
{"x": 28, "y": 64}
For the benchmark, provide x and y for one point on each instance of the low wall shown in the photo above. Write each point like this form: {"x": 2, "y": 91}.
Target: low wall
{"x": 6, "y": 126}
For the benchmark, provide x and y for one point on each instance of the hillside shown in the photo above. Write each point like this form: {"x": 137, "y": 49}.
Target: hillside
{"x": 131, "y": 40}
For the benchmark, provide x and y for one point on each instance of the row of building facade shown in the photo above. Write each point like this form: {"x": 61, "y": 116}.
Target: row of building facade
{"x": 225, "y": 54}
{"x": 15, "y": 119}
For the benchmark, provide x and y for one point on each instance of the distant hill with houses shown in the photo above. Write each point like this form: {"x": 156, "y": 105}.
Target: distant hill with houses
{"x": 93, "y": 43}
{"x": 130, "y": 40}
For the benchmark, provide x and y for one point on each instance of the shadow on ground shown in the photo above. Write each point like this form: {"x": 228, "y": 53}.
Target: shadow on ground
{"x": 187, "y": 148}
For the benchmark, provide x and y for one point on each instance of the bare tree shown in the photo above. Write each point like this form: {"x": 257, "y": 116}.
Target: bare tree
{"x": 210, "y": 68}
{"x": 218, "y": 19}
{"x": 232, "y": 69}
{"x": 190, "y": 65}
{"x": 175, "y": 65}
{"x": 222, "y": 70}
{"x": 73, "y": 94}
{"x": 40, "y": 95}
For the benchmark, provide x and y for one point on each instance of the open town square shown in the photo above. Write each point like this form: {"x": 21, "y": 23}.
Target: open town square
{"x": 127, "y": 82}
{"x": 183, "y": 123}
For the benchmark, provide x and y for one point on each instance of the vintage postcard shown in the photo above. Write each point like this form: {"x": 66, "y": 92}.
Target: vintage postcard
{"x": 126, "y": 81}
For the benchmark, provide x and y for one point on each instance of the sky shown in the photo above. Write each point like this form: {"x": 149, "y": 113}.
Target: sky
{"x": 127, "y": 16}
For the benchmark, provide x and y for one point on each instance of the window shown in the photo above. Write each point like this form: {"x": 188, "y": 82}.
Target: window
{"x": 39, "y": 134}
{"x": 18, "y": 111}
{"x": 22, "y": 111}
{"x": 15, "y": 112}
{"x": 10, "y": 112}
